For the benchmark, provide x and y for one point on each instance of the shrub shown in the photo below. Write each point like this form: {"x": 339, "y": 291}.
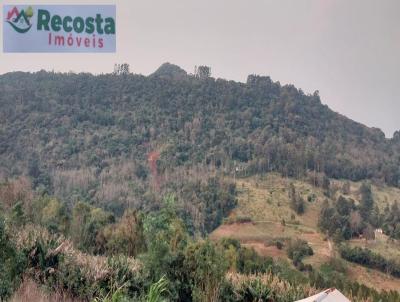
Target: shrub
{"x": 255, "y": 290}
{"x": 370, "y": 259}
{"x": 157, "y": 290}
{"x": 207, "y": 267}
{"x": 297, "y": 250}
{"x": 238, "y": 219}
{"x": 300, "y": 248}
{"x": 12, "y": 263}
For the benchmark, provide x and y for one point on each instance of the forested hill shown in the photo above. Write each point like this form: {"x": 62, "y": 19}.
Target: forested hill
{"x": 67, "y": 122}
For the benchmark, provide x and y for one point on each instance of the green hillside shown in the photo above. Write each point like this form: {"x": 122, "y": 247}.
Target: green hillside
{"x": 179, "y": 187}
{"x": 80, "y": 136}
{"x": 72, "y": 121}
{"x": 264, "y": 216}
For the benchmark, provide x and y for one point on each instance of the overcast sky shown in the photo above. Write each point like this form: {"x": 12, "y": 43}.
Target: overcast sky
{"x": 349, "y": 50}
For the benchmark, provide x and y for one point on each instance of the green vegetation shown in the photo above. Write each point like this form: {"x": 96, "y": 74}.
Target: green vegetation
{"x": 170, "y": 265}
{"x": 271, "y": 237}
{"x": 297, "y": 250}
{"x": 344, "y": 219}
{"x": 296, "y": 201}
{"x": 341, "y": 221}
{"x": 87, "y": 126}
{"x": 368, "y": 258}
{"x": 157, "y": 290}
{"x": 116, "y": 188}
{"x": 391, "y": 220}
{"x": 12, "y": 263}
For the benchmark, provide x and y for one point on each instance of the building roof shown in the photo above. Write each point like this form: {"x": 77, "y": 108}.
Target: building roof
{"x": 329, "y": 295}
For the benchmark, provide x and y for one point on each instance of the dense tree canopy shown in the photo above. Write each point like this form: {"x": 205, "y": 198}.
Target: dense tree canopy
{"x": 81, "y": 136}
{"x": 123, "y": 165}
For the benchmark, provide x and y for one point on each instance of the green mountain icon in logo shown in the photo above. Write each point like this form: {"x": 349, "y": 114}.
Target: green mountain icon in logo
{"x": 21, "y": 23}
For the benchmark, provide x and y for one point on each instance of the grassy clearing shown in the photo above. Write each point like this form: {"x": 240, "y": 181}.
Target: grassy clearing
{"x": 382, "y": 194}
{"x": 382, "y": 245}
{"x": 265, "y": 201}
{"x": 372, "y": 278}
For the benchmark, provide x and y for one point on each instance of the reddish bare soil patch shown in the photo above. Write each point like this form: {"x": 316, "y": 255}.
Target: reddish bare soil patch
{"x": 152, "y": 159}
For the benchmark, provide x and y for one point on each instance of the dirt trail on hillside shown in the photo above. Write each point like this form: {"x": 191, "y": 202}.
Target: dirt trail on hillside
{"x": 330, "y": 247}
{"x": 152, "y": 159}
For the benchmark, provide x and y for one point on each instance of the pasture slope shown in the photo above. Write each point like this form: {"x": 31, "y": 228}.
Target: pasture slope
{"x": 263, "y": 215}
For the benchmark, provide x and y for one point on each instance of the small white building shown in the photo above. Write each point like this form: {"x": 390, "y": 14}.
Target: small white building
{"x": 329, "y": 295}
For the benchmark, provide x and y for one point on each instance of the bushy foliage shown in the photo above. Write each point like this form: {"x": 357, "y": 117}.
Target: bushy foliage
{"x": 50, "y": 213}
{"x": 370, "y": 259}
{"x": 206, "y": 267}
{"x": 297, "y": 250}
{"x": 255, "y": 290}
{"x": 126, "y": 237}
{"x": 12, "y": 263}
{"x": 55, "y": 264}
{"x": 391, "y": 220}
{"x": 166, "y": 240}
{"x": 242, "y": 259}
{"x": 332, "y": 274}
{"x": 264, "y": 287}
{"x": 86, "y": 224}
{"x": 210, "y": 202}
{"x": 296, "y": 201}
{"x": 157, "y": 290}
{"x": 195, "y": 270}
{"x": 366, "y": 202}
{"x": 342, "y": 220}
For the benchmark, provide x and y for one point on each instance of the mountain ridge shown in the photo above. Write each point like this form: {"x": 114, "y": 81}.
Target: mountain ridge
{"x": 261, "y": 125}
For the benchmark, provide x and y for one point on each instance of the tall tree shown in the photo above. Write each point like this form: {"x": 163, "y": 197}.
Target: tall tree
{"x": 203, "y": 72}
{"x": 366, "y": 202}
{"x": 207, "y": 267}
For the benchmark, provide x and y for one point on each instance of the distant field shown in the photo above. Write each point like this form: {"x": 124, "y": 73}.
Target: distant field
{"x": 265, "y": 201}
{"x": 382, "y": 194}
{"x": 381, "y": 245}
